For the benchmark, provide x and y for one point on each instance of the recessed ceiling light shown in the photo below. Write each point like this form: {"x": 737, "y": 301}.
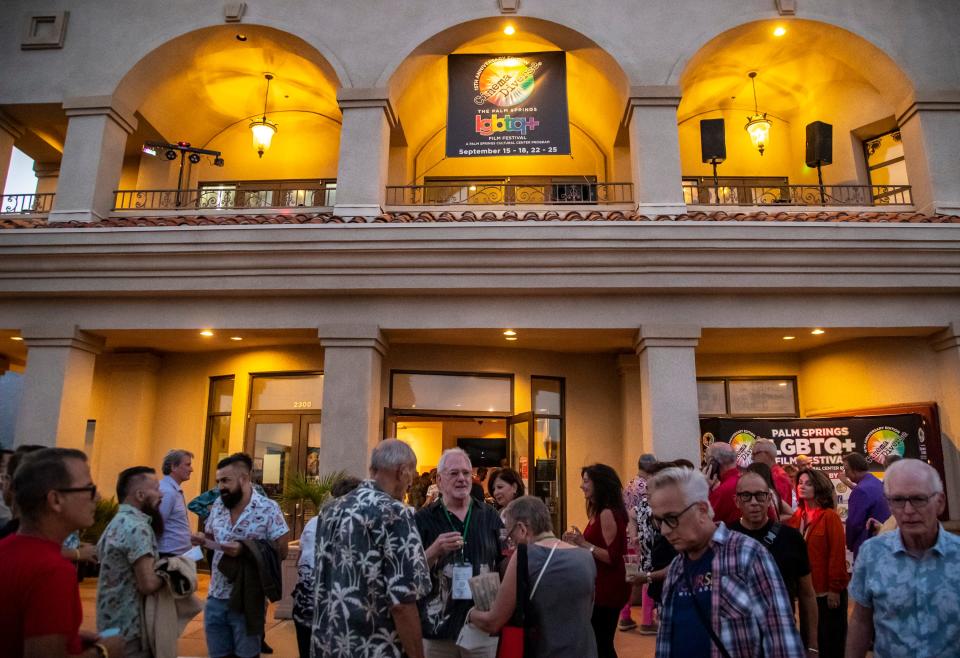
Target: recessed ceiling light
{"x": 16, "y": 338}
{"x": 817, "y": 332}
{"x": 511, "y": 338}
{"x": 782, "y": 384}
{"x": 779, "y": 31}
{"x": 509, "y": 332}
{"x": 236, "y": 338}
{"x": 241, "y": 37}
{"x": 789, "y": 337}
{"x": 206, "y": 332}
{"x": 509, "y": 30}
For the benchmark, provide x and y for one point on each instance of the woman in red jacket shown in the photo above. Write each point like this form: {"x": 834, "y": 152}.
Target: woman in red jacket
{"x": 822, "y": 528}
{"x": 606, "y": 538}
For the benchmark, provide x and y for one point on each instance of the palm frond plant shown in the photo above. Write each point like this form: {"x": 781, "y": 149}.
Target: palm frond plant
{"x": 105, "y": 511}
{"x": 301, "y": 488}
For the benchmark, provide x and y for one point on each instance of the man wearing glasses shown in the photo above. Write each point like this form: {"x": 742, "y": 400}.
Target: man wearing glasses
{"x": 785, "y": 544}
{"x": 906, "y": 584}
{"x": 723, "y": 594}
{"x": 40, "y": 611}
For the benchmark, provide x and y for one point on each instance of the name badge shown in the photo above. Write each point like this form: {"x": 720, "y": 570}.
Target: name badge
{"x": 462, "y": 573}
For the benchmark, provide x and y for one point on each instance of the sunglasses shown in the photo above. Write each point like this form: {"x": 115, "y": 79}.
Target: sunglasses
{"x": 671, "y": 520}
{"x": 90, "y": 489}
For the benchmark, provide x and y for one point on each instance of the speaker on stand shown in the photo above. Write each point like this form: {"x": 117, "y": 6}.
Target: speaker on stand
{"x": 713, "y": 147}
{"x": 819, "y": 150}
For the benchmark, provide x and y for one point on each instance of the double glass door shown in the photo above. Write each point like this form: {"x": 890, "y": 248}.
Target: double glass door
{"x": 286, "y": 447}
{"x": 535, "y": 453}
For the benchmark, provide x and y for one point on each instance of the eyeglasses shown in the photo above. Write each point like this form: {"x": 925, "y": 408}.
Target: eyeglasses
{"x": 759, "y": 496}
{"x": 90, "y": 489}
{"x": 671, "y": 520}
{"x": 918, "y": 502}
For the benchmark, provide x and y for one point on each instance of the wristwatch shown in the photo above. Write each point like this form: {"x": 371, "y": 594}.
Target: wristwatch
{"x": 592, "y": 549}
{"x": 101, "y": 650}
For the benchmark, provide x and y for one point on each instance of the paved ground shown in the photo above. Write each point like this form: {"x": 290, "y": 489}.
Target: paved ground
{"x": 282, "y": 637}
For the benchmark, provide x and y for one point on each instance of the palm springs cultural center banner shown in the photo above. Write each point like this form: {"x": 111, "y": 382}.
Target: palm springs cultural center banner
{"x": 507, "y": 105}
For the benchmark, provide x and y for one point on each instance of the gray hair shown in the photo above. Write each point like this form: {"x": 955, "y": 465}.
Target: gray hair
{"x": 722, "y": 452}
{"x": 532, "y": 511}
{"x": 916, "y": 467}
{"x": 390, "y": 454}
{"x": 451, "y": 452}
{"x": 765, "y": 445}
{"x": 691, "y": 483}
{"x": 173, "y": 459}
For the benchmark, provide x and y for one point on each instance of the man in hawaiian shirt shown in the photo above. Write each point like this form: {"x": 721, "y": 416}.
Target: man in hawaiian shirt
{"x": 128, "y": 553}
{"x": 371, "y": 567}
{"x": 906, "y": 583}
{"x": 240, "y": 513}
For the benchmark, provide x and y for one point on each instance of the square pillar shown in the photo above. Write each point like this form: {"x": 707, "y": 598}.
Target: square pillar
{"x": 631, "y": 419}
{"x": 10, "y": 132}
{"x": 352, "y": 359}
{"x": 57, "y": 385}
{"x": 668, "y": 391}
{"x": 947, "y": 346}
{"x": 48, "y": 174}
{"x": 929, "y": 129}
{"x": 651, "y": 119}
{"x": 97, "y": 134}
{"x": 364, "y": 152}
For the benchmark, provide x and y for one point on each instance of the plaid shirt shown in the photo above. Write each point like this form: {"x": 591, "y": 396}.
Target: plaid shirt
{"x": 749, "y": 607}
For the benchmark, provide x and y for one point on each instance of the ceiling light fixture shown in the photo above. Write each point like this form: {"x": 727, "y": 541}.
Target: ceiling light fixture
{"x": 263, "y": 130}
{"x": 511, "y": 338}
{"x": 16, "y": 338}
{"x": 236, "y": 338}
{"x": 818, "y": 332}
{"x": 207, "y": 333}
{"x": 241, "y": 36}
{"x": 779, "y": 31}
{"x": 509, "y": 30}
{"x": 509, "y": 332}
{"x": 758, "y": 125}
{"x": 789, "y": 337}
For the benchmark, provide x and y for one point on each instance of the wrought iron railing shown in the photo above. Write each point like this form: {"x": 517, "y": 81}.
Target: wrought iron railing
{"x": 226, "y": 198}
{"x": 26, "y": 204}
{"x": 506, "y": 194}
{"x": 796, "y": 195}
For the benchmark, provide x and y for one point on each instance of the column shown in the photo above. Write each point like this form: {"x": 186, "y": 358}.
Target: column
{"x": 947, "y": 346}
{"x": 97, "y": 134}
{"x": 655, "y": 149}
{"x": 10, "y": 132}
{"x": 352, "y": 357}
{"x": 631, "y": 420}
{"x": 364, "y": 151}
{"x": 668, "y": 391}
{"x": 929, "y": 129}
{"x": 47, "y": 174}
{"x": 57, "y": 384}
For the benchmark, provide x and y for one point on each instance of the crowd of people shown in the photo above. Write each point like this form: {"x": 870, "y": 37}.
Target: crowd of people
{"x": 730, "y": 560}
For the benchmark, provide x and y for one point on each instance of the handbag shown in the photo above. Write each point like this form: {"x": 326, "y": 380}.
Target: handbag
{"x": 518, "y": 639}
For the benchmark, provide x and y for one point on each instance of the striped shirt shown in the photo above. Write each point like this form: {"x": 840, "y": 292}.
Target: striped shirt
{"x": 749, "y": 607}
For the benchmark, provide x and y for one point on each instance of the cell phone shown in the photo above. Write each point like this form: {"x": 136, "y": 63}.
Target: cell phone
{"x": 713, "y": 469}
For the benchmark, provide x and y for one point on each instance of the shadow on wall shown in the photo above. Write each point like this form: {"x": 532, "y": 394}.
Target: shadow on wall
{"x": 11, "y": 390}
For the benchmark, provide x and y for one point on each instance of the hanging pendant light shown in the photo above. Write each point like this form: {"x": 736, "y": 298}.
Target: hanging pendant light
{"x": 263, "y": 130}
{"x": 758, "y": 126}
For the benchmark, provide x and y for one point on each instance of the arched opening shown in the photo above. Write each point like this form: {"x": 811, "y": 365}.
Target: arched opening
{"x": 596, "y": 93}
{"x": 806, "y": 72}
{"x": 205, "y": 88}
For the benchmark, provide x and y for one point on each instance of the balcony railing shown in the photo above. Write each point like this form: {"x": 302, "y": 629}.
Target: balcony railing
{"x": 26, "y": 204}
{"x": 226, "y": 198}
{"x": 507, "y": 194}
{"x": 796, "y": 195}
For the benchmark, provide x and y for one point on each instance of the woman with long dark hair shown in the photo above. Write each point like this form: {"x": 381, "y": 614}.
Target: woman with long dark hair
{"x": 822, "y": 528}
{"x": 504, "y": 486}
{"x": 606, "y": 538}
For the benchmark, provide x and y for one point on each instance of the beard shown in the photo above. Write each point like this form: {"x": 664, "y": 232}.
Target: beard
{"x": 156, "y": 519}
{"x": 231, "y": 497}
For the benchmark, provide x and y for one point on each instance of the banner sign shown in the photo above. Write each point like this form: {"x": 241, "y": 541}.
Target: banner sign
{"x": 507, "y": 105}
{"x": 824, "y": 440}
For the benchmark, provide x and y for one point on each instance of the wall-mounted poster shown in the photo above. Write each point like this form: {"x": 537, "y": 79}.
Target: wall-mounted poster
{"x": 507, "y": 105}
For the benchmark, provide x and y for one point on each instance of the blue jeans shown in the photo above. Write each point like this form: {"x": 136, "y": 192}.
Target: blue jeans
{"x": 226, "y": 631}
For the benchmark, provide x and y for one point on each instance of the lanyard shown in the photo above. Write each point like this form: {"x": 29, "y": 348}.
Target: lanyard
{"x": 466, "y": 524}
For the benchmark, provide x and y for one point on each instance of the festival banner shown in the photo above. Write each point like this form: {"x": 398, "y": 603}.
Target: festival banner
{"x": 507, "y": 105}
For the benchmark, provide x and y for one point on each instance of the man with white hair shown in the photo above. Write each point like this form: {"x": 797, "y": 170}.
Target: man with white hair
{"x": 723, "y": 473}
{"x": 906, "y": 584}
{"x": 723, "y": 594}
{"x": 462, "y": 536}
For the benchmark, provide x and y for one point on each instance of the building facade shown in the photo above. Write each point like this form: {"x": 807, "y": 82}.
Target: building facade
{"x": 345, "y": 276}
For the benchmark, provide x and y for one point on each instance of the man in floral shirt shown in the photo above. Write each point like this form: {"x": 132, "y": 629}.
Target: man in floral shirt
{"x": 128, "y": 553}
{"x": 240, "y": 513}
{"x": 371, "y": 567}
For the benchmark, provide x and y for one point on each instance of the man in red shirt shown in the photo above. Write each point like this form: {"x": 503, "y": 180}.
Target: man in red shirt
{"x": 722, "y": 473}
{"x": 40, "y": 612}
{"x": 765, "y": 452}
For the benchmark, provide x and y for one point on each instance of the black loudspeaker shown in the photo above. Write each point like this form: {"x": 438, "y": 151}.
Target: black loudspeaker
{"x": 819, "y": 143}
{"x": 713, "y": 146}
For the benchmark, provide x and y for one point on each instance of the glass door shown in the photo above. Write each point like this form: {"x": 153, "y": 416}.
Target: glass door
{"x": 521, "y": 427}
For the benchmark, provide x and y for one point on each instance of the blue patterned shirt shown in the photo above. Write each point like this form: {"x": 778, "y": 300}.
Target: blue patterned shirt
{"x": 915, "y": 601}
{"x": 127, "y": 538}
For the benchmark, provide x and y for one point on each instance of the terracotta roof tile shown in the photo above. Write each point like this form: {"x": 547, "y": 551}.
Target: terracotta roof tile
{"x": 426, "y": 216}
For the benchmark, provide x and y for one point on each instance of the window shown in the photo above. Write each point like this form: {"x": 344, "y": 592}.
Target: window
{"x": 217, "y": 443}
{"x": 286, "y": 392}
{"x": 548, "y": 446}
{"x": 885, "y": 165}
{"x": 452, "y": 392}
{"x": 748, "y": 396}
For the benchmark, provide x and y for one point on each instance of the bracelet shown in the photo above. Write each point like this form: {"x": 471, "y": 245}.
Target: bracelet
{"x": 101, "y": 650}
{"x": 813, "y": 650}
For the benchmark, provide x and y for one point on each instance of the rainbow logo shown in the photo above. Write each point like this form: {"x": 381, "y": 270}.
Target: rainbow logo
{"x": 505, "y": 81}
{"x": 487, "y": 126}
{"x": 742, "y": 443}
{"x": 882, "y": 442}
